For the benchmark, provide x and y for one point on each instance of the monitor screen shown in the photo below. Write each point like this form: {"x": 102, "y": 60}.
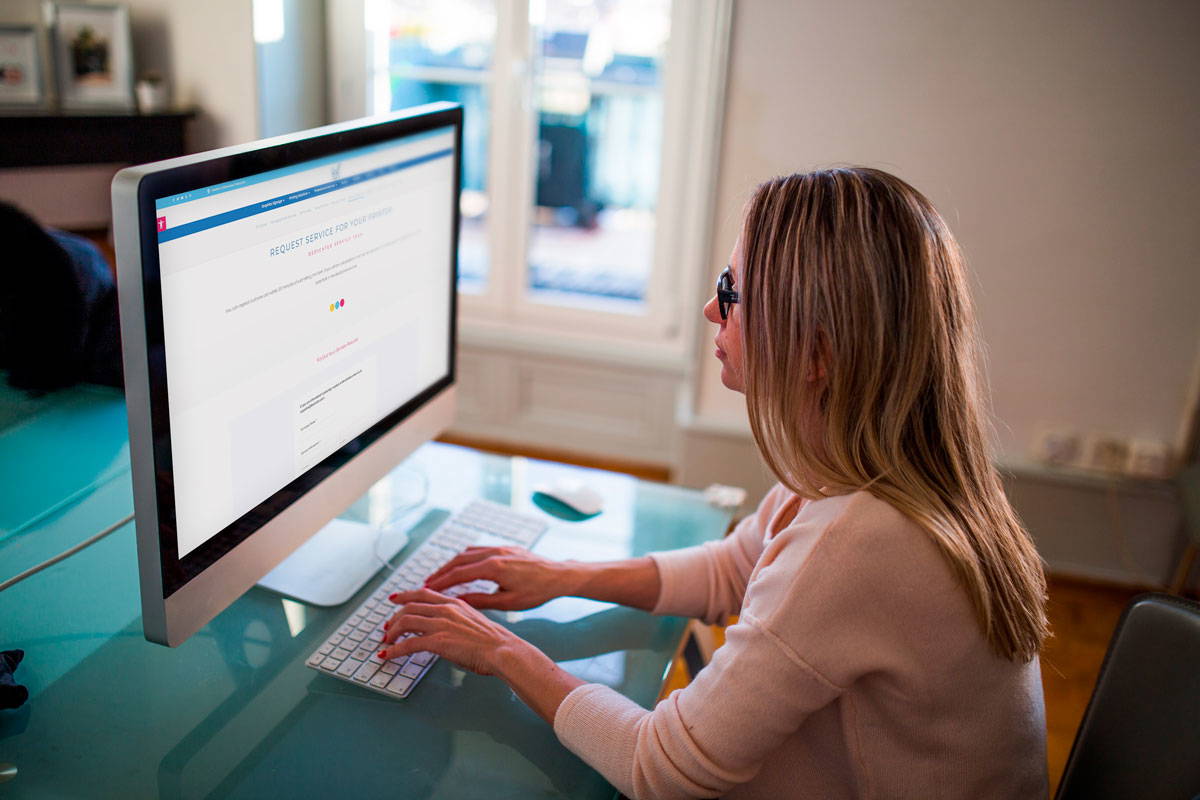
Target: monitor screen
{"x": 297, "y": 298}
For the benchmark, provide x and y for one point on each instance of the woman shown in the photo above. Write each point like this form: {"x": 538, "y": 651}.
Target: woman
{"x": 891, "y": 605}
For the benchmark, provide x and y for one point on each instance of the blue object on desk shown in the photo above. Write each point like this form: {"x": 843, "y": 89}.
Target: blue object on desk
{"x": 233, "y": 712}
{"x": 559, "y": 509}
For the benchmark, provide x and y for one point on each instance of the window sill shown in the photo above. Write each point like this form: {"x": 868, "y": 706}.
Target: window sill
{"x": 668, "y": 357}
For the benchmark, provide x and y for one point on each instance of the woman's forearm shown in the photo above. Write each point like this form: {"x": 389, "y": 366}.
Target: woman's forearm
{"x": 634, "y": 582}
{"x": 537, "y": 680}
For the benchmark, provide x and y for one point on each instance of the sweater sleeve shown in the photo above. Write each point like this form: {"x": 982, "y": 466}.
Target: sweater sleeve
{"x": 709, "y": 581}
{"x": 706, "y": 738}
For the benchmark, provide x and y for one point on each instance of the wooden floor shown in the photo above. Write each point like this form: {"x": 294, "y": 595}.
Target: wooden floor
{"x": 1082, "y": 618}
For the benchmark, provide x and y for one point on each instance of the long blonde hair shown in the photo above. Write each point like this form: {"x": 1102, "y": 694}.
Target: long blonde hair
{"x": 852, "y": 274}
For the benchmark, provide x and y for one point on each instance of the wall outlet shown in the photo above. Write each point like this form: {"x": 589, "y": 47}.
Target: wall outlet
{"x": 1149, "y": 458}
{"x": 1057, "y": 447}
{"x": 1106, "y": 452}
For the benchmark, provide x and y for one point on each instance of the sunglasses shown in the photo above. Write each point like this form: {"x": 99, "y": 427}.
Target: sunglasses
{"x": 726, "y": 296}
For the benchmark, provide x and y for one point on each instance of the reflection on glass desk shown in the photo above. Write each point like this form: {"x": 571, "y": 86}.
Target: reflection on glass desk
{"x": 234, "y": 712}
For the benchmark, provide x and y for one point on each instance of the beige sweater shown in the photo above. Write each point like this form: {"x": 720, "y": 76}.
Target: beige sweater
{"x": 856, "y": 670}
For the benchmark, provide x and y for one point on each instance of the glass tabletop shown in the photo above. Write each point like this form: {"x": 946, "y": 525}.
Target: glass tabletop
{"x": 234, "y": 712}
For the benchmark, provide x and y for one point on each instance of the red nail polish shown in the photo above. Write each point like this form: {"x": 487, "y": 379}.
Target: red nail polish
{"x": 393, "y": 596}
{"x": 381, "y": 654}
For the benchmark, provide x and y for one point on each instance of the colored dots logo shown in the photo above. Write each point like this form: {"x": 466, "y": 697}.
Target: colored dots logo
{"x": 337, "y": 305}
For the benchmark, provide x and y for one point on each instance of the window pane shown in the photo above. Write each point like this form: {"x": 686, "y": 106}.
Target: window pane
{"x": 442, "y": 50}
{"x": 598, "y": 94}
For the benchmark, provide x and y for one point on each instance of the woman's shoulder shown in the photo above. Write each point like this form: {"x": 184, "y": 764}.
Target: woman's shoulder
{"x": 855, "y": 543}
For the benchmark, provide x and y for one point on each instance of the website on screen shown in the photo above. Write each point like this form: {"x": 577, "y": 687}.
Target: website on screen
{"x": 300, "y": 307}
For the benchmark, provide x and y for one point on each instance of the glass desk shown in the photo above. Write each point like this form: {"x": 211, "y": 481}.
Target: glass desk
{"x": 234, "y": 712}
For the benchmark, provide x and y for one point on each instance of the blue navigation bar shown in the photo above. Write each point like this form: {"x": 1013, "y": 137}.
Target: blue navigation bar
{"x": 270, "y": 175}
{"x": 295, "y": 197}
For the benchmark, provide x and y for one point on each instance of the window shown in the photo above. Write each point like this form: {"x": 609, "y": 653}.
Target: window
{"x": 576, "y": 217}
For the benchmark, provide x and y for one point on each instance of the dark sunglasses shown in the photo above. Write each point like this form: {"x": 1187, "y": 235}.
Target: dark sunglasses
{"x": 726, "y": 296}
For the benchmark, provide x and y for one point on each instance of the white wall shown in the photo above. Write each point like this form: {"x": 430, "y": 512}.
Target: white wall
{"x": 206, "y": 51}
{"x": 291, "y": 72}
{"x": 1059, "y": 139}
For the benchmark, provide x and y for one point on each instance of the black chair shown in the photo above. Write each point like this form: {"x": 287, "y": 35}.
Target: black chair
{"x": 1140, "y": 735}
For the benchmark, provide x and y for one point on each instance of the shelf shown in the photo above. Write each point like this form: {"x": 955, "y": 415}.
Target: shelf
{"x": 43, "y": 139}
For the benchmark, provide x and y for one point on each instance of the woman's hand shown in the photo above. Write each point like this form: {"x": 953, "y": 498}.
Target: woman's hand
{"x": 523, "y": 579}
{"x": 449, "y": 628}
{"x": 455, "y": 631}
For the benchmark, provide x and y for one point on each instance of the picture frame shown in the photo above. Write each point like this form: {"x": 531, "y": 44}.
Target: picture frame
{"x": 21, "y": 81}
{"x": 93, "y": 56}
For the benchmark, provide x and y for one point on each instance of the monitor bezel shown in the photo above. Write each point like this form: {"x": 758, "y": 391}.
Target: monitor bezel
{"x": 256, "y": 159}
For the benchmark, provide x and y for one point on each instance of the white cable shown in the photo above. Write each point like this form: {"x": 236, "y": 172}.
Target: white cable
{"x": 400, "y": 513}
{"x": 65, "y": 554}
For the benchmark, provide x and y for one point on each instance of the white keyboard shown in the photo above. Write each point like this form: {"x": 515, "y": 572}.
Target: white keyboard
{"x": 349, "y": 653}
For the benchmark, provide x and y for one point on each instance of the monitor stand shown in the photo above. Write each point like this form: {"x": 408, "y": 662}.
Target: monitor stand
{"x": 335, "y": 563}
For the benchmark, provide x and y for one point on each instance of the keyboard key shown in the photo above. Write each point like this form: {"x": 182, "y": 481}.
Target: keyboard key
{"x": 390, "y": 668}
{"x": 349, "y": 668}
{"x": 412, "y": 669}
{"x": 399, "y": 684}
{"x": 340, "y": 654}
{"x": 366, "y": 672}
{"x": 381, "y": 679}
{"x": 330, "y": 664}
{"x": 422, "y": 657}
{"x": 316, "y": 658}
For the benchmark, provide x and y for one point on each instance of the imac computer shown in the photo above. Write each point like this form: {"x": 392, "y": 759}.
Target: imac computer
{"x": 288, "y": 326}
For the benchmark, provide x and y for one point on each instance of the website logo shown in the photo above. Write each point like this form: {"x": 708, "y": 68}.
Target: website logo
{"x": 337, "y": 305}
{"x": 162, "y": 224}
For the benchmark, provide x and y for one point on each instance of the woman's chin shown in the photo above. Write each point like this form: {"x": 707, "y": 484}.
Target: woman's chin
{"x": 732, "y": 380}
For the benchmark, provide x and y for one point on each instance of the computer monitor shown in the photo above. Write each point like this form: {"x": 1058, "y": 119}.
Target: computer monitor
{"x": 288, "y": 326}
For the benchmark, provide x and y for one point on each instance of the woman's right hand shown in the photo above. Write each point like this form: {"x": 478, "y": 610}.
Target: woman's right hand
{"x": 524, "y": 580}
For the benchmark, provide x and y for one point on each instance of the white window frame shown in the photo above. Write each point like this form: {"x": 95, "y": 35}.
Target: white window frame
{"x": 693, "y": 107}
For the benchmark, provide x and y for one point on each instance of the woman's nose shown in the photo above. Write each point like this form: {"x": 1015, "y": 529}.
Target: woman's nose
{"x": 711, "y": 312}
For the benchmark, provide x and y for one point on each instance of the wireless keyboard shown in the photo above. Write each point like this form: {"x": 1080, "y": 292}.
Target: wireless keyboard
{"x": 349, "y": 653}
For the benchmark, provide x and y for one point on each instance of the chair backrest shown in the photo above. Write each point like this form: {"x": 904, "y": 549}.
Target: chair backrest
{"x": 1140, "y": 735}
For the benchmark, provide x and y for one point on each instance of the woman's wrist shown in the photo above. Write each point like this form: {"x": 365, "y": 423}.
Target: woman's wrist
{"x": 536, "y": 679}
{"x": 633, "y": 582}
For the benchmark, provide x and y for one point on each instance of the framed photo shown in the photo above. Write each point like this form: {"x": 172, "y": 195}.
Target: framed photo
{"x": 93, "y": 55}
{"x": 20, "y": 67}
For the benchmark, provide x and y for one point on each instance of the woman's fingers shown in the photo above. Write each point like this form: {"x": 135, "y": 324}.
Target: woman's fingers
{"x": 422, "y": 595}
{"x": 467, "y": 556}
{"x": 485, "y": 570}
{"x": 413, "y": 644}
{"x": 409, "y": 623}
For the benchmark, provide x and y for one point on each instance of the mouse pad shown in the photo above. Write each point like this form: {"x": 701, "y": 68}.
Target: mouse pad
{"x": 557, "y": 508}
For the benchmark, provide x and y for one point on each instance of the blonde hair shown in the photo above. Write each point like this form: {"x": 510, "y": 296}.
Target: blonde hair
{"x": 861, "y": 374}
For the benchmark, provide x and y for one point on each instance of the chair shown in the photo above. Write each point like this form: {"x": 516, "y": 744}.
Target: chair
{"x": 1140, "y": 735}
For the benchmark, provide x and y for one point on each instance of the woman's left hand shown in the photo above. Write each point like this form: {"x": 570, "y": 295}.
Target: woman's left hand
{"x": 449, "y": 628}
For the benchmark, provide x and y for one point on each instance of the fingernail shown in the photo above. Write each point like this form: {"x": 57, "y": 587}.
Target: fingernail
{"x": 394, "y": 596}
{"x": 381, "y": 654}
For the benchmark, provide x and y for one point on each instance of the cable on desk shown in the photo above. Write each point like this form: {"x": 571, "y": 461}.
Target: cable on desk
{"x": 399, "y": 514}
{"x": 91, "y": 540}
{"x": 67, "y": 502}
